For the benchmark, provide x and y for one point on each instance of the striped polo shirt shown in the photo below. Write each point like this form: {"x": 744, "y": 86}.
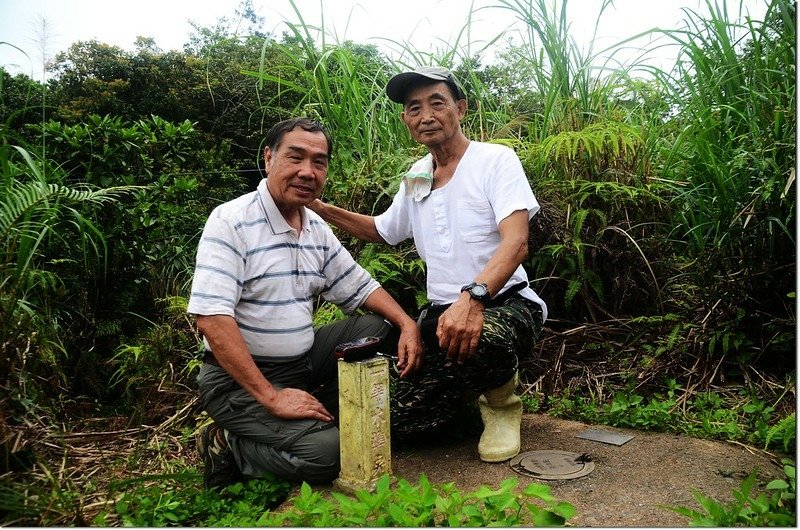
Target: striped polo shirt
{"x": 251, "y": 265}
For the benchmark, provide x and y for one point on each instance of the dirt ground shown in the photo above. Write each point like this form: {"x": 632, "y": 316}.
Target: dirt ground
{"x": 628, "y": 484}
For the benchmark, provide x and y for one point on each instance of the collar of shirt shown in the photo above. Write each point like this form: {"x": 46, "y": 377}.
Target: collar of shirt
{"x": 275, "y": 219}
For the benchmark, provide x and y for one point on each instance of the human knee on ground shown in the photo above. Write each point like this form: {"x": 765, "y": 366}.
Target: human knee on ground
{"x": 312, "y": 458}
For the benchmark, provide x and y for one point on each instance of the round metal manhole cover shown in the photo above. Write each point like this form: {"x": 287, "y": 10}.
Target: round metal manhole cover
{"x": 552, "y": 465}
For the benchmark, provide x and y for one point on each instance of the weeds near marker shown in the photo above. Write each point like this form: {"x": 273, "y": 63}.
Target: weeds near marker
{"x": 428, "y": 505}
{"x": 400, "y": 505}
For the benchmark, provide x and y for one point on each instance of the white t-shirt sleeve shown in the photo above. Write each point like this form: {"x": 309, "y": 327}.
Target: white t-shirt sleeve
{"x": 508, "y": 188}
{"x": 394, "y": 225}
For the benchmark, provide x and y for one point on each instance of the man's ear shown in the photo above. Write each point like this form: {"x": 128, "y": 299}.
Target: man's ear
{"x": 462, "y": 108}
{"x": 267, "y": 158}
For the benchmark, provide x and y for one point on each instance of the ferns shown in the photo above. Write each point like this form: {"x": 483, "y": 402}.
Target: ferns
{"x": 32, "y": 212}
{"x": 784, "y": 430}
{"x": 23, "y": 202}
{"x": 607, "y": 147}
{"x": 400, "y": 271}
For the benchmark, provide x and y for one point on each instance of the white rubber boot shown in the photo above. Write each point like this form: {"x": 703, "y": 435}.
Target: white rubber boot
{"x": 501, "y": 412}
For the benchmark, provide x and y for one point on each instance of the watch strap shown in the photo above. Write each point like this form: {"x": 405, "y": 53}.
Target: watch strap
{"x": 486, "y": 297}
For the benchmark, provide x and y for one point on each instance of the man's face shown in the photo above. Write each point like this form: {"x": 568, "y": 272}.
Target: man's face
{"x": 296, "y": 170}
{"x": 432, "y": 115}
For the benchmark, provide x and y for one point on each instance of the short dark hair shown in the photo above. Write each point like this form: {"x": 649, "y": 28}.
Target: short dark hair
{"x": 278, "y": 131}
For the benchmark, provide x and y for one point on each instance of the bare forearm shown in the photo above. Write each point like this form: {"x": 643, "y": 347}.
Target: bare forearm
{"x": 356, "y": 224}
{"x": 511, "y": 252}
{"x": 501, "y": 266}
{"x": 381, "y": 302}
{"x": 231, "y": 352}
{"x": 409, "y": 345}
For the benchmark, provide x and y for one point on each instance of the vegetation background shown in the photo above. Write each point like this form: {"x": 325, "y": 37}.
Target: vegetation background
{"x": 665, "y": 247}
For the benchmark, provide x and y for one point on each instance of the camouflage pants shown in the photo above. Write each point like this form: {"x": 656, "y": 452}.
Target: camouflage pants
{"x": 430, "y": 398}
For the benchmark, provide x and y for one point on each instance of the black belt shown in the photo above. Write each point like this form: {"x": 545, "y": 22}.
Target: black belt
{"x": 431, "y": 310}
{"x": 261, "y": 363}
{"x": 501, "y": 298}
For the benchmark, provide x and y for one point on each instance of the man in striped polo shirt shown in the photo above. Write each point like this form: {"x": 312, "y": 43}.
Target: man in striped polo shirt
{"x": 269, "y": 380}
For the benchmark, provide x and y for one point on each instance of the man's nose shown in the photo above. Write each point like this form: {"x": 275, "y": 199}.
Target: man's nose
{"x": 306, "y": 169}
{"x": 427, "y": 114}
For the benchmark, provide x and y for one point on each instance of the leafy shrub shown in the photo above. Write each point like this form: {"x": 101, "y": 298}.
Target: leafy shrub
{"x": 37, "y": 216}
{"x": 144, "y": 371}
{"x": 174, "y": 503}
{"x": 149, "y": 241}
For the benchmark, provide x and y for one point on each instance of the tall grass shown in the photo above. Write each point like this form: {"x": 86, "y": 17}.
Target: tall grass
{"x": 730, "y": 166}
{"x": 572, "y": 86}
{"x": 342, "y": 85}
{"x": 732, "y": 163}
{"x": 586, "y": 144}
{"x": 338, "y": 84}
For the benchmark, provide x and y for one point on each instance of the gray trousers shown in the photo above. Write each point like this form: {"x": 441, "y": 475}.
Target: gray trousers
{"x": 296, "y": 450}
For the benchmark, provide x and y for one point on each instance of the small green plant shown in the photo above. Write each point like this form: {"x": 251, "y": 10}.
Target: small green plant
{"x": 574, "y": 406}
{"x": 176, "y": 500}
{"x": 749, "y": 508}
{"x": 632, "y": 410}
{"x": 531, "y": 403}
{"x": 428, "y": 505}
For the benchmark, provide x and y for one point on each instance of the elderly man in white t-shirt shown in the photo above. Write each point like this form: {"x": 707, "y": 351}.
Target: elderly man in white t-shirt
{"x": 269, "y": 380}
{"x": 467, "y": 206}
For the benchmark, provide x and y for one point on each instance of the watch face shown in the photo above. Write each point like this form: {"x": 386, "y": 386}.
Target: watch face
{"x": 479, "y": 290}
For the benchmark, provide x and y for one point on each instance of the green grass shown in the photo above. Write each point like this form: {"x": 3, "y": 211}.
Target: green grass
{"x": 744, "y": 417}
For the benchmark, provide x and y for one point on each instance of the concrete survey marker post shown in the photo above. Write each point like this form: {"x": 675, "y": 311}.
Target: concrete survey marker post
{"x": 364, "y": 439}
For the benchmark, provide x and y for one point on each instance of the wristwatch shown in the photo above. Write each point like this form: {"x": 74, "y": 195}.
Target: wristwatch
{"x": 478, "y": 291}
